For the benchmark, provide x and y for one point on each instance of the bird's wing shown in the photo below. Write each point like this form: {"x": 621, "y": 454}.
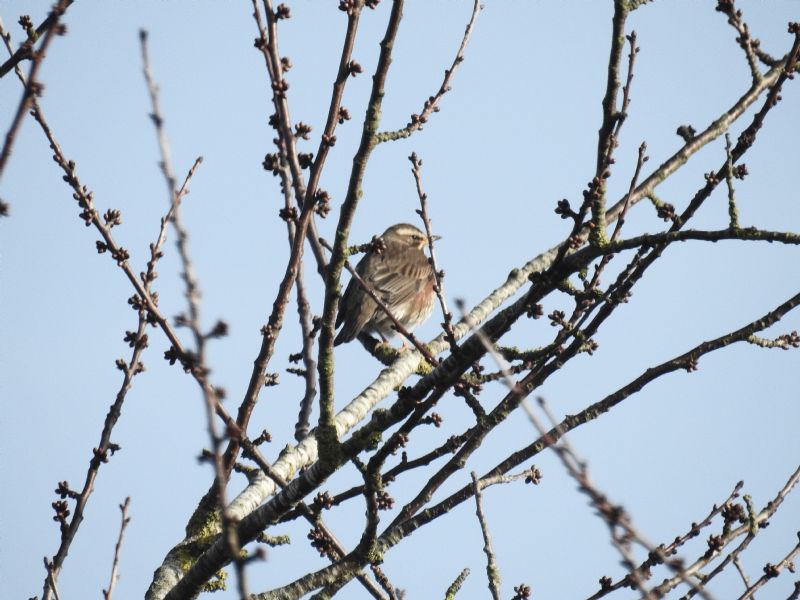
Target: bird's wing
{"x": 356, "y": 308}
{"x": 396, "y": 281}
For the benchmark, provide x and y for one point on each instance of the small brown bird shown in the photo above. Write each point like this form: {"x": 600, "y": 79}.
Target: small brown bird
{"x": 400, "y": 276}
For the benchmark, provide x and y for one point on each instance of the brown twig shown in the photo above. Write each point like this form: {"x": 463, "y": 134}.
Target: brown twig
{"x": 663, "y": 551}
{"x": 112, "y": 583}
{"x": 641, "y": 159}
{"x": 326, "y": 428}
{"x": 608, "y": 136}
{"x": 740, "y": 568}
{"x": 615, "y": 516}
{"x": 416, "y": 168}
{"x": 177, "y": 197}
{"x": 748, "y": 44}
{"x": 138, "y": 341}
{"x": 50, "y": 580}
{"x": 451, "y": 592}
{"x": 25, "y": 51}
{"x": 432, "y": 104}
{"x": 492, "y": 570}
{"x": 301, "y": 429}
{"x": 268, "y": 44}
{"x": 733, "y": 212}
{"x": 771, "y": 571}
{"x": 193, "y": 320}
{"x": 32, "y": 87}
{"x": 749, "y": 529}
{"x": 306, "y": 195}
{"x": 192, "y": 292}
{"x": 144, "y": 300}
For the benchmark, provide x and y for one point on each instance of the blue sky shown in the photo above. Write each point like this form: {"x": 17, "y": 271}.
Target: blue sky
{"x": 517, "y": 133}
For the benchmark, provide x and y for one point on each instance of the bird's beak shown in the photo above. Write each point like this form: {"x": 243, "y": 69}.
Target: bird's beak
{"x": 435, "y": 238}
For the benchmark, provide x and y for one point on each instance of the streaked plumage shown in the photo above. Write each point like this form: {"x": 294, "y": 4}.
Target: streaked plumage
{"x": 400, "y": 276}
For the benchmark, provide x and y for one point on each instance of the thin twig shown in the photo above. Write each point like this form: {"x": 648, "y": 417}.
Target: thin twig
{"x": 144, "y": 301}
{"x": 451, "y": 592}
{"x": 492, "y": 570}
{"x": 771, "y": 571}
{"x": 192, "y": 292}
{"x": 615, "y": 516}
{"x": 50, "y": 580}
{"x": 748, "y": 44}
{"x": 608, "y": 135}
{"x": 25, "y": 51}
{"x": 327, "y": 428}
{"x": 795, "y": 592}
{"x": 310, "y": 365}
{"x": 733, "y": 212}
{"x": 664, "y": 551}
{"x": 640, "y": 160}
{"x": 491, "y": 347}
{"x": 416, "y": 168}
{"x": 740, "y": 568}
{"x": 268, "y": 44}
{"x": 193, "y": 320}
{"x": 32, "y": 87}
{"x": 306, "y": 196}
{"x": 432, "y": 104}
{"x": 112, "y": 583}
{"x": 747, "y": 529}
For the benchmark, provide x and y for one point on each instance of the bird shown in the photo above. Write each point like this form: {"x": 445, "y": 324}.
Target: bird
{"x": 403, "y": 278}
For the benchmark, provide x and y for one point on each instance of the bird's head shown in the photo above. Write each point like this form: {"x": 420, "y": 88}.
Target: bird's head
{"x": 408, "y": 235}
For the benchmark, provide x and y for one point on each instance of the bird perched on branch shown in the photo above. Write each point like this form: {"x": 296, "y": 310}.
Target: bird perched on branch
{"x": 400, "y": 275}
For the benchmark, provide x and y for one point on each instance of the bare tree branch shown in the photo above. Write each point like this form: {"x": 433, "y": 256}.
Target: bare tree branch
{"x": 432, "y": 103}
{"x": 32, "y": 87}
{"x": 108, "y": 593}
